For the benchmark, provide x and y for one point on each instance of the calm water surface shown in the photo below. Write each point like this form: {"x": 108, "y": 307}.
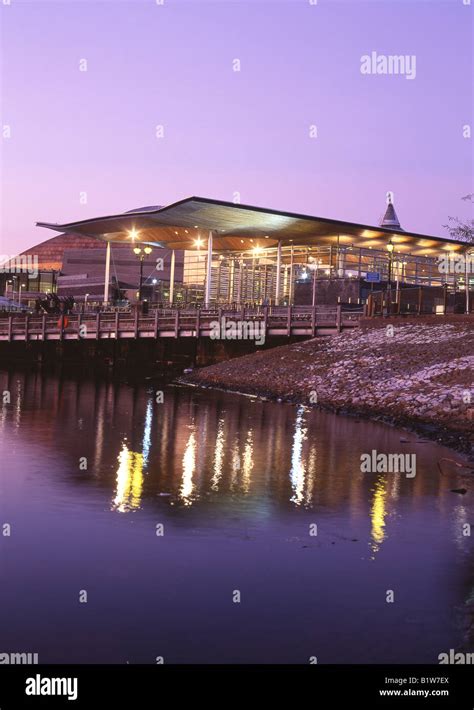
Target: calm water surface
{"x": 236, "y": 483}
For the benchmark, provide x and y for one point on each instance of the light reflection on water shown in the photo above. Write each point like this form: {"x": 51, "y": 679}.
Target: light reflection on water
{"x": 237, "y": 483}
{"x": 129, "y": 480}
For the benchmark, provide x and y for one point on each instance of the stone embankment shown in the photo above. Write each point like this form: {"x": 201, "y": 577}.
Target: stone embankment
{"x": 418, "y": 374}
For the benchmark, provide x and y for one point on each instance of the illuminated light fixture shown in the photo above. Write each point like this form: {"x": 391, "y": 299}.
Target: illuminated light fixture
{"x": 266, "y": 236}
{"x": 154, "y": 282}
{"x": 133, "y": 234}
{"x": 304, "y": 275}
{"x": 198, "y": 242}
{"x": 176, "y": 232}
{"x": 390, "y": 247}
{"x": 139, "y": 250}
{"x": 196, "y": 227}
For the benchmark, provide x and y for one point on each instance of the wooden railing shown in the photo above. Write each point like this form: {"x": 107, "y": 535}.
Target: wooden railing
{"x": 270, "y": 320}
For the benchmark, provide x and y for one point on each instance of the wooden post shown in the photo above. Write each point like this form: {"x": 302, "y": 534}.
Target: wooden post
{"x": 198, "y": 323}
{"x": 288, "y": 322}
{"x": 61, "y": 326}
{"x": 338, "y": 317}
{"x": 445, "y": 298}
{"x": 155, "y": 332}
{"x": 43, "y": 328}
{"x": 117, "y": 324}
{"x": 97, "y": 325}
{"x": 79, "y": 319}
{"x": 135, "y": 328}
{"x": 265, "y": 320}
{"x": 370, "y": 306}
{"x": 313, "y": 321}
{"x": 26, "y": 328}
{"x": 10, "y": 328}
{"x": 420, "y": 300}
{"x": 176, "y": 323}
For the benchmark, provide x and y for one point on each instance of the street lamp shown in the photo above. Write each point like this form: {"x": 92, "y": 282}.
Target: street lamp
{"x": 141, "y": 253}
{"x": 390, "y": 249}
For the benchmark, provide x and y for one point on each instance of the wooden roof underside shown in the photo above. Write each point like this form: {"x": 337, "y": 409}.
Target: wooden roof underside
{"x": 242, "y": 227}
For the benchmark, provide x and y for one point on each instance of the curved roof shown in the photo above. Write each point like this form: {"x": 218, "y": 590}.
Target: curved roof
{"x": 240, "y": 227}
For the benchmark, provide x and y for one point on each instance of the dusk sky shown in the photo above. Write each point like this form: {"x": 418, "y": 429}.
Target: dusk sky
{"x": 224, "y": 131}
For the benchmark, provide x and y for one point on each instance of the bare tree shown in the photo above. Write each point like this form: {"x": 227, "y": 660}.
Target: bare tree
{"x": 462, "y": 231}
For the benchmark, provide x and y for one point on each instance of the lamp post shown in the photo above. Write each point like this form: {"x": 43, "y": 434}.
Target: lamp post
{"x": 141, "y": 253}
{"x": 389, "y": 289}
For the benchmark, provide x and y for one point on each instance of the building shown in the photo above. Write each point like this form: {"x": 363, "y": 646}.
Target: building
{"x": 74, "y": 264}
{"x": 237, "y": 253}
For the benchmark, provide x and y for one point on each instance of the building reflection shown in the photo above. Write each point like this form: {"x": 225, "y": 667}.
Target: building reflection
{"x": 129, "y": 481}
{"x": 218, "y": 455}
{"x": 189, "y": 467}
{"x": 297, "y": 472}
{"x": 378, "y": 512}
{"x": 248, "y": 463}
{"x": 206, "y": 448}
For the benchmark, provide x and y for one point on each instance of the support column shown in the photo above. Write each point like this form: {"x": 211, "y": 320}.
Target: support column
{"x": 230, "y": 297}
{"x": 207, "y": 295}
{"x": 107, "y": 273}
{"x": 278, "y": 275}
{"x": 466, "y": 278}
{"x": 315, "y": 271}
{"x": 173, "y": 259}
{"x": 290, "y": 289}
{"x": 241, "y": 280}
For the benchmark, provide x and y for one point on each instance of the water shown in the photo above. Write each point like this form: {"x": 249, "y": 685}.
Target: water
{"x": 236, "y": 484}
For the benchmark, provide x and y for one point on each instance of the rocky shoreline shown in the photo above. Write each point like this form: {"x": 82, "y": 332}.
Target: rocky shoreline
{"x": 417, "y": 376}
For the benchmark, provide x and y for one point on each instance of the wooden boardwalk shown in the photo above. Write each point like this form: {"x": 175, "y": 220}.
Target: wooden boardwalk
{"x": 272, "y": 321}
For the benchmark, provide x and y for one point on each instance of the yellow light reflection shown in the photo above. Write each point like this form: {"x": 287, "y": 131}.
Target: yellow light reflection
{"x": 297, "y": 473}
{"x": 378, "y": 513}
{"x": 218, "y": 456}
{"x": 129, "y": 481}
{"x": 248, "y": 462}
{"x": 189, "y": 467}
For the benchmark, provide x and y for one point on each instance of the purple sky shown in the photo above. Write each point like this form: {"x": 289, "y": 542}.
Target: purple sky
{"x": 227, "y": 131}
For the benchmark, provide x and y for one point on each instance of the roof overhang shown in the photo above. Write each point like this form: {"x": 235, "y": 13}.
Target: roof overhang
{"x": 239, "y": 227}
